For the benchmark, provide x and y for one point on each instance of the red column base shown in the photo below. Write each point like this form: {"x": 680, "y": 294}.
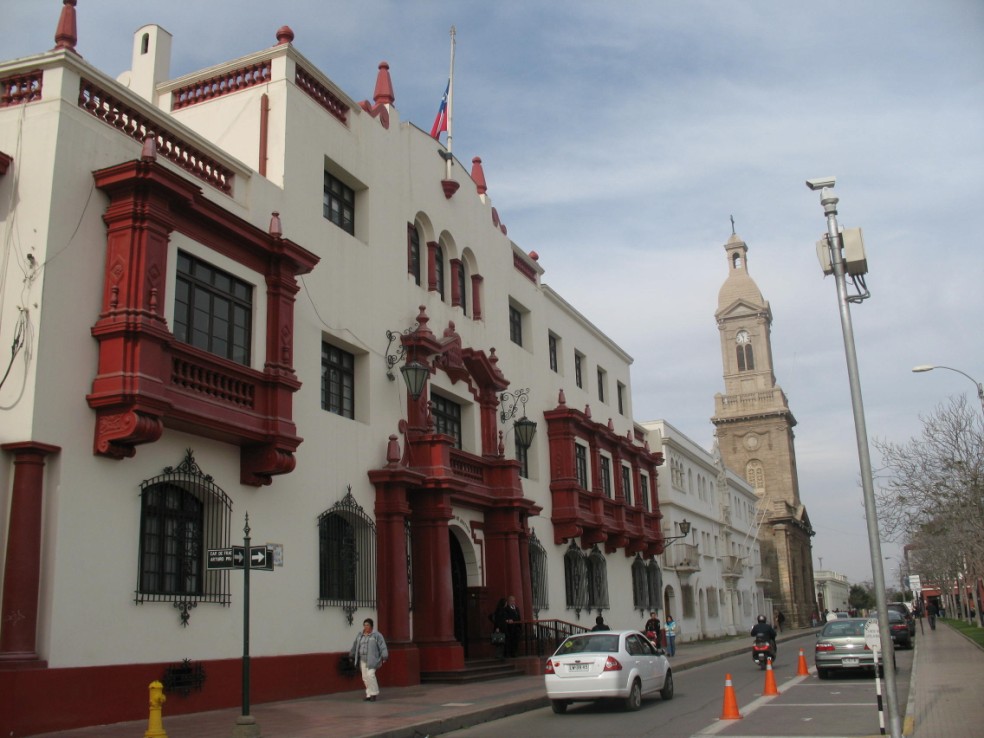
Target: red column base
{"x": 441, "y": 656}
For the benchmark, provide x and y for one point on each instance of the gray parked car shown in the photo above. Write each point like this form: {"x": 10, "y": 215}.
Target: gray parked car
{"x": 840, "y": 647}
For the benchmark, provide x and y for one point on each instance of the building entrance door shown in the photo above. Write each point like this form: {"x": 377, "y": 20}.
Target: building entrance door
{"x": 459, "y": 591}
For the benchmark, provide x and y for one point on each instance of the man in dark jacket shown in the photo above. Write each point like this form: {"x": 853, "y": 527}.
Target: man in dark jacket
{"x": 763, "y": 628}
{"x": 513, "y": 627}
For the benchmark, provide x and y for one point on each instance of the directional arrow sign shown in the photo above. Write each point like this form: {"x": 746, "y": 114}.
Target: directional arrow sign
{"x": 260, "y": 557}
{"x": 226, "y": 558}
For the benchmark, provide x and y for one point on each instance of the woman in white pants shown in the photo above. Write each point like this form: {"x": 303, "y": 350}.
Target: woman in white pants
{"x": 369, "y": 653}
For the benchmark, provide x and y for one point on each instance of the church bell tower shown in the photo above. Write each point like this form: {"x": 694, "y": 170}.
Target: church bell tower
{"x": 755, "y": 436}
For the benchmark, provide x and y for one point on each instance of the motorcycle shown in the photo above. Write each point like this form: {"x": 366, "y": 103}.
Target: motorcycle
{"x": 762, "y": 650}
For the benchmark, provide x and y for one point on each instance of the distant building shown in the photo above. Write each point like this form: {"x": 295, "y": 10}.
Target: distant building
{"x": 755, "y": 433}
{"x": 833, "y": 591}
{"x": 712, "y": 577}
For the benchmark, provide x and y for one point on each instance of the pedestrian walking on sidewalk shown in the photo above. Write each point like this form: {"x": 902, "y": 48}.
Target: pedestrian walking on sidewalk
{"x": 514, "y": 627}
{"x": 369, "y": 653}
{"x": 932, "y": 610}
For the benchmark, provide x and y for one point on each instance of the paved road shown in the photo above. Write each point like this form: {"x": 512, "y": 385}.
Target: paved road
{"x": 808, "y": 707}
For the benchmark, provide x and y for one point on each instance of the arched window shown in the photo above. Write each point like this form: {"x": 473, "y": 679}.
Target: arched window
{"x": 182, "y": 515}
{"x": 746, "y": 361}
{"x": 459, "y": 294}
{"x": 755, "y": 474}
{"x": 597, "y": 580}
{"x": 439, "y": 271}
{"x": 640, "y": 586}
{"x": 346, "y": 557}
{"x": 538, "y": 575}
{"x": 654, "y": 578}
{"x": 576, "y": 578}
{"x": 413, "y": 252}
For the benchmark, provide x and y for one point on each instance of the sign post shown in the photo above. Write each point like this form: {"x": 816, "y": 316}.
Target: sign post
{"x": 243, "y": 557}
{"x": 872, "y": 639}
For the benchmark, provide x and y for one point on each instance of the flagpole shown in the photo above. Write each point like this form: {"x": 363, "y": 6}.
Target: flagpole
{"x": 447, "y": 163}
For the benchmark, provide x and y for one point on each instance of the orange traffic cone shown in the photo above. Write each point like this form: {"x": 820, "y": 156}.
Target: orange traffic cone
{"x": 770, "y": 681}
{"x": 801, "y": 668}
{"x": 730, "y": 710}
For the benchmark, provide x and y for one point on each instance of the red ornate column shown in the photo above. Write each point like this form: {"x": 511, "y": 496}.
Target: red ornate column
{"x": 392, "y": 585}
{"x": 433, "y": 616}
{"x": 22, "y": 568}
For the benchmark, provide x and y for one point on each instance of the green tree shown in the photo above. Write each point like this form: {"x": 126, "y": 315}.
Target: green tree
{"x": 861, "y": 597}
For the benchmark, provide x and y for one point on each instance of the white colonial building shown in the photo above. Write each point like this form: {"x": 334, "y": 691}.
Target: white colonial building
{"x": 211, "y": 287}
{"x": 712, "y": 575}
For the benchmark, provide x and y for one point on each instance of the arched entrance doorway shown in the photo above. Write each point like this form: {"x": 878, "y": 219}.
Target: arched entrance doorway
{"x": 459, "y": 591}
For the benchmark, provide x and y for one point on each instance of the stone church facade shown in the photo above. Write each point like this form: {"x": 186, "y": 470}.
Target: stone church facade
{"x": 755, "y": 433}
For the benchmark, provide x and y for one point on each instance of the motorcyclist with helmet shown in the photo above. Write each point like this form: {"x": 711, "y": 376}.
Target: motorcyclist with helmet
{"x": 762, "y": 628}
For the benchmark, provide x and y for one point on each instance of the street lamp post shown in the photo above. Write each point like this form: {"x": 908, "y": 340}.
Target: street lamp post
{"x": 930, "y": 367}
{"x": 835, "y": 252}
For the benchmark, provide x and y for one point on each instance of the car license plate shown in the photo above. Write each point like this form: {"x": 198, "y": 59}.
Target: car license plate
{"x": 578, "y": 667}
{"x": 850, "y": 661}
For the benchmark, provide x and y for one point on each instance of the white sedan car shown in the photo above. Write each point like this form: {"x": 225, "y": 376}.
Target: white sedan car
{"x": 613, "y": 664}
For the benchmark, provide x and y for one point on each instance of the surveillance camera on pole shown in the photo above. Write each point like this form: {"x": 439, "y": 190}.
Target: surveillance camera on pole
{"x": 838, "y": 264}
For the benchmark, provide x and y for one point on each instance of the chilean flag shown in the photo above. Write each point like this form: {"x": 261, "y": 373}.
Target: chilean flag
{"x": 441, "y": 120}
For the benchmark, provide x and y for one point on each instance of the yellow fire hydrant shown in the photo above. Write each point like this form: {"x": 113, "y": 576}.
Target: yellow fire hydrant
{"x": 155, "y": 723}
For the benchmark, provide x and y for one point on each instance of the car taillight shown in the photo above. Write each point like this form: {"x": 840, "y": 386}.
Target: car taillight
{"x": 611, "y": 664}
{"x": 549, "y": 668}
{"x": 825, "y": 647}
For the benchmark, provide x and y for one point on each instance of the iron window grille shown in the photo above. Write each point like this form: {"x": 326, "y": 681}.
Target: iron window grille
{"x": 576, "y": 579}
{"x": 601, "y": 385}
{"x": 644, "y": 491}
{"x": 212, "y": 309}
{"x": 182, "y": 515}
{"x": 627, "y": 484}
{"x": 339, "y": 203}
{"x": 552, "y": 350}
{"x": 337, "y": 380}
{"x": 447, "y": 417}
{"x": 597, "y": 580}
{"x": 538, "y": 575}
{"x": 578, "y": 362}
{"x": 640, "y": 585}
{"x": 654, "y": 579}
{"x": 346, "y": 557}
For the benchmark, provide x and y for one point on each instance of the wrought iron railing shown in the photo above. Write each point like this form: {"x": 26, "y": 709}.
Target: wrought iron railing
{"x": 542, "y": 637}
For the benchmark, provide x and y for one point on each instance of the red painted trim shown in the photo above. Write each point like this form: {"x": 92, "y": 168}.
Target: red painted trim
{"x": 146, "y": 379}
{"x": 22, "y": 563}
{"x": 21, "y": 88}
{"x": 204, "y": 90}
{"x": 523, "y": 268}
{"x": 44, "y": 700}
{"x": 589, "y": 514}
{"x": 321, "y": 94}
{"x": 5, "y": 161}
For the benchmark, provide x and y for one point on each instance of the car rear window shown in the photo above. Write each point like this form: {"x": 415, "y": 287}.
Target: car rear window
{"x": 834, "y": 629}
{"x": 590, "y": 644}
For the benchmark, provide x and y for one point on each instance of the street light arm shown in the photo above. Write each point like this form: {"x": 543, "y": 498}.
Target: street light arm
{"x": 930, "y": 367}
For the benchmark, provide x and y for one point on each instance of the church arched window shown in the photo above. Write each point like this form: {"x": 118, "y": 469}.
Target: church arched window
{"x": 755, "y": 474}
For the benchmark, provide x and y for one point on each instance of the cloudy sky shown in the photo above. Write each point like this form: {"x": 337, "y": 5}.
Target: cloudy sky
{"x": 618, "y": 138}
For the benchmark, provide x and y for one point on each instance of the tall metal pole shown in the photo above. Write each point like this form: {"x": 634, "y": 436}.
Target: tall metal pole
{"x": 447, "y": 162}
{"x": 246, "y": 564}
{"x": 829, "y": 202}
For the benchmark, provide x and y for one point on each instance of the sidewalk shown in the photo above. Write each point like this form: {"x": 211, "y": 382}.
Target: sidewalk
{"x": 945, "y": 700}
{"x": 404, "y": 712}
